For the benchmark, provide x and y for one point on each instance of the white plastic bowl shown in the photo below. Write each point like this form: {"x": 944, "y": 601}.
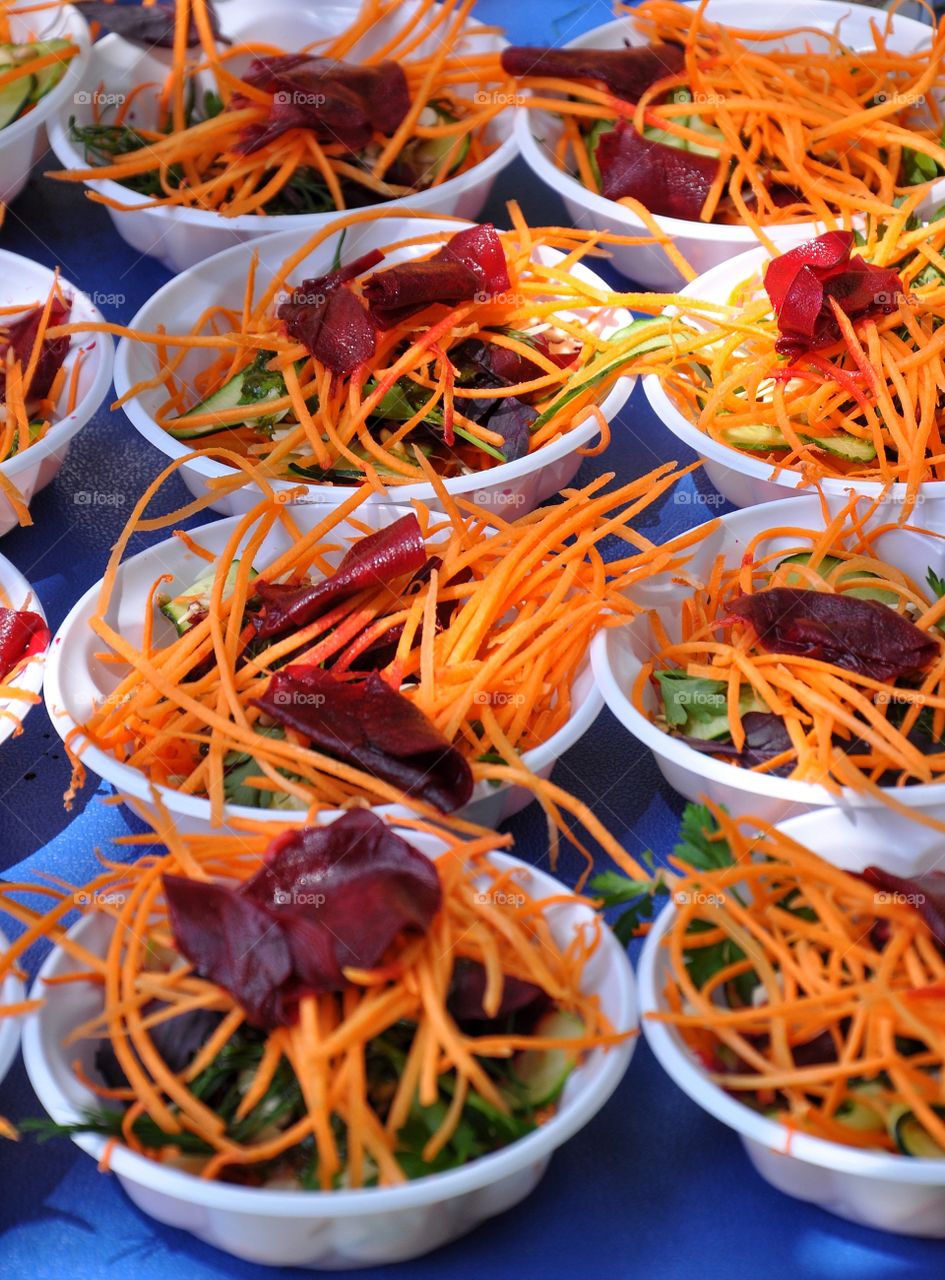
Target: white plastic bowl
{"x": 181, "y": 238}
{"x": 23, "y": 142}
{"x": 76, "y": 681}
{"x": 11, "y": 992}
{"x": 18, "y": 594}
{"x": 26, "y": 283}
{"x": 889, "y": 1192}
{"x": 743, "y": 479}
{"x": 703, "y": 245}
{"x": 618, "y": 654}
{"x": 337, "y": 1229}
{"x": 509, "y": 489}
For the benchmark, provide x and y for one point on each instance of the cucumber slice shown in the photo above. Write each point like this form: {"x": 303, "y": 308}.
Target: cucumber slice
{"x": 190, "y": 606}
{"x": 251, "y": 386}
{"x": 913, "y": 1139}
{"x": 591, "y": 139}
{"x": 655, "y": 134}
{"x": 714, "y": 138}
{"x": 542, "y": 1073}
{"x": 665, "y": 138}
{"x": 14, "y": 97}
{"x": 240, "y": 765}
{"x": 604, "y": 366}
{"x": 34, "y": 432}
{"x": 762, "y": 439}
{"x": 827, "y": 566}
{"x": 48, "y": 77}
{"x": 862, "y": 1115}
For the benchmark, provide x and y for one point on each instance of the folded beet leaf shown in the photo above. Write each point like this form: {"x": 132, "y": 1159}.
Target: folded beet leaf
{"x": 337, "y": 101}
{"x": 627, "y": 73}
{"x": 802, "y": 282}
{"x": 329, "y": 320}
{"x": 325, "y": 899}
{"x": 377, "y": 559}
{"x": 858, "y": 635}
{"x": 470, "y": 264}
{"x": 368, "y": 724}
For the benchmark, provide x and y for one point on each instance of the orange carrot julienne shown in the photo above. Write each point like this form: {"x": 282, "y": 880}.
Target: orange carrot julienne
{"x": 831, "y": 959}
{"x": 491, "y": 652}
{"x": 282, "y": 174}
{"x": 325, "y": 1049}
{"x": 808, "y": 130}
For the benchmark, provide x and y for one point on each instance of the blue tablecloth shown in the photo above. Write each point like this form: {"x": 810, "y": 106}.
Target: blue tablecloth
{"x": 652, "y": 1186}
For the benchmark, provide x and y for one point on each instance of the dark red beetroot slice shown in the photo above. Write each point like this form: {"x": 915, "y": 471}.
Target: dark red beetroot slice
{"x": 374, "y": 560}
{"x": 329, "y": 320}
{"x": 480, "y": 249}
{"x": 802, "y": 283}
{"x": 627, "y": 73}
{"x": 21, "y": 336}
{"x": 338, "y": 102}
{"x": 233, "y": 941}
{"x": 354, "y": 888}
{"x": 325, "y": 899}
{"x": 826, "y": 252}
{"x": 368, "y": 724}
{"x": 22, "y": 633}
{"x": 857, "y": 635}
{"x": 925, "y": 893}
{"x": 472, "y": 262}
{"x": 668, "y": 181}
